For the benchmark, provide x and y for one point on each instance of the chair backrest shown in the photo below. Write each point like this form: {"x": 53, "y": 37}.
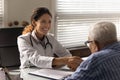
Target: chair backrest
{"x": 9, "y": 54}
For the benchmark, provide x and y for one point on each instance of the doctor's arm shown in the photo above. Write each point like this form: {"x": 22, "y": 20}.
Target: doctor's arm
{"x": 65, "y": 57}
{"x": 71, "y": 62}
{"x": 29, "y": 55}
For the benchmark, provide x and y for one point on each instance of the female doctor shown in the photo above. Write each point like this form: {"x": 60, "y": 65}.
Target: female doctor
{"x": 37, "y": 47}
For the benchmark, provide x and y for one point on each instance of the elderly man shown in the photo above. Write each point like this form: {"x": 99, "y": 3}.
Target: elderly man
{"x": 104, "y": 62}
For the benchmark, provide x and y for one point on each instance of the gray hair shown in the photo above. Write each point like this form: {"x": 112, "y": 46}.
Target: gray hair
{"x": 103, "y": 32}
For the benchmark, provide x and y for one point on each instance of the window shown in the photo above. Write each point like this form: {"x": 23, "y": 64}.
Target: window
{"x": 73, "y": 18}
{"x": 1, "y": 12}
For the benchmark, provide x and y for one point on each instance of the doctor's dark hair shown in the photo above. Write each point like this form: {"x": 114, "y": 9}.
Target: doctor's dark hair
{"x": 37, "y": 13}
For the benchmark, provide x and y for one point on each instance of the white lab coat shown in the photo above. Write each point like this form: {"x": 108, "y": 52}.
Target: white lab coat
{"x": 36, "y": 55}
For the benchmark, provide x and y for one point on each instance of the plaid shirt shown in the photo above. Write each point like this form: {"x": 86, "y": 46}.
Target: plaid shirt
{"x": 102, "y": 65}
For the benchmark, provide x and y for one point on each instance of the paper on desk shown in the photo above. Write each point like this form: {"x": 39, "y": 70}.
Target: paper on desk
{"x": 51, "y": 73}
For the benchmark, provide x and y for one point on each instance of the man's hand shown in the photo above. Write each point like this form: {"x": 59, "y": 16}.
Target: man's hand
{"x": 74, "y": 62}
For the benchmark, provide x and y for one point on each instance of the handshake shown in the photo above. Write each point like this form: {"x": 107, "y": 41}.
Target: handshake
{"x": 72, "y": 62}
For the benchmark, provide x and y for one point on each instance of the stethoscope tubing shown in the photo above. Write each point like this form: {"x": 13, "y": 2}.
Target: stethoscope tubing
{"x": 48, "y": 42}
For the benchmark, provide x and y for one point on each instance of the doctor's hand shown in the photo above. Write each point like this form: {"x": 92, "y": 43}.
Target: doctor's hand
{"x": 74, "y": 62}
{"x": 71, "y": 62}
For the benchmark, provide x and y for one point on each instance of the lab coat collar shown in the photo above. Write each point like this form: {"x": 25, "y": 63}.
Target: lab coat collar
{"x": 34, "y": 36}
{"x": 36, "y": 39}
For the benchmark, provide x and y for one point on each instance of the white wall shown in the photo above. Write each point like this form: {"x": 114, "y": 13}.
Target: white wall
{"x": 22, "y": 9}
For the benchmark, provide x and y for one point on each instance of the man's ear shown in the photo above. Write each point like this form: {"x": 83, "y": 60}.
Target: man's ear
{"x": 96, "y": 46}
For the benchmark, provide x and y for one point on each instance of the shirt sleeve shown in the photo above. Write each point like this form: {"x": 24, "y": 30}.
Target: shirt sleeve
{"x": 86, "y": 71}
{"x": 30, "y": 56}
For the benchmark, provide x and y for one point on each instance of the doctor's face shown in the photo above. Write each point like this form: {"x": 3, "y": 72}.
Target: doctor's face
{"x": 43, "y": 25}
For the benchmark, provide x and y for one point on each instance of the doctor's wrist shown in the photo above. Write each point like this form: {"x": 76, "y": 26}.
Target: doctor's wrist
{"x": 60, "y": 61}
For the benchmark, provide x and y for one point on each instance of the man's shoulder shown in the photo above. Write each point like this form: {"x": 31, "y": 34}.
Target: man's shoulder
{"x": 114, "y": 49}
{"x": 104, "y": 55}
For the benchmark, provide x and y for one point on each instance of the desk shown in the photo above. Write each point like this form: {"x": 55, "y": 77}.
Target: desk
{"x": 26, "y": 76}
{"x": 24, "y": 73}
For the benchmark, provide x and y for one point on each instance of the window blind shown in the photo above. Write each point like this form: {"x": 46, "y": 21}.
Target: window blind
{"x": 74, "y": 18}
{"x": 1, "y": 12}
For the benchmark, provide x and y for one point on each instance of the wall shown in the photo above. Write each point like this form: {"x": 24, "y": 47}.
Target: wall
{"x": 22, "y": 9}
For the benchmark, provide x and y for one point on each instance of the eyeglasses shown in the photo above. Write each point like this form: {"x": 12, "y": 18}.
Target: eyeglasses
{"x": 87, "y": 43}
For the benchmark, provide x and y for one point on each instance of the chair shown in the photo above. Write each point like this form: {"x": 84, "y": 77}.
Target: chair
{"x": 9, "y": 54}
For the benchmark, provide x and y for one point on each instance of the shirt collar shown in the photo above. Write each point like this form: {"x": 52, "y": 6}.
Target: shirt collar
{"x": 111, "y": 45}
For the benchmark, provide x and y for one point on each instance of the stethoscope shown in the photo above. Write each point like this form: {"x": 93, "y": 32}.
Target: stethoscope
{"x": 45, "y": 45}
